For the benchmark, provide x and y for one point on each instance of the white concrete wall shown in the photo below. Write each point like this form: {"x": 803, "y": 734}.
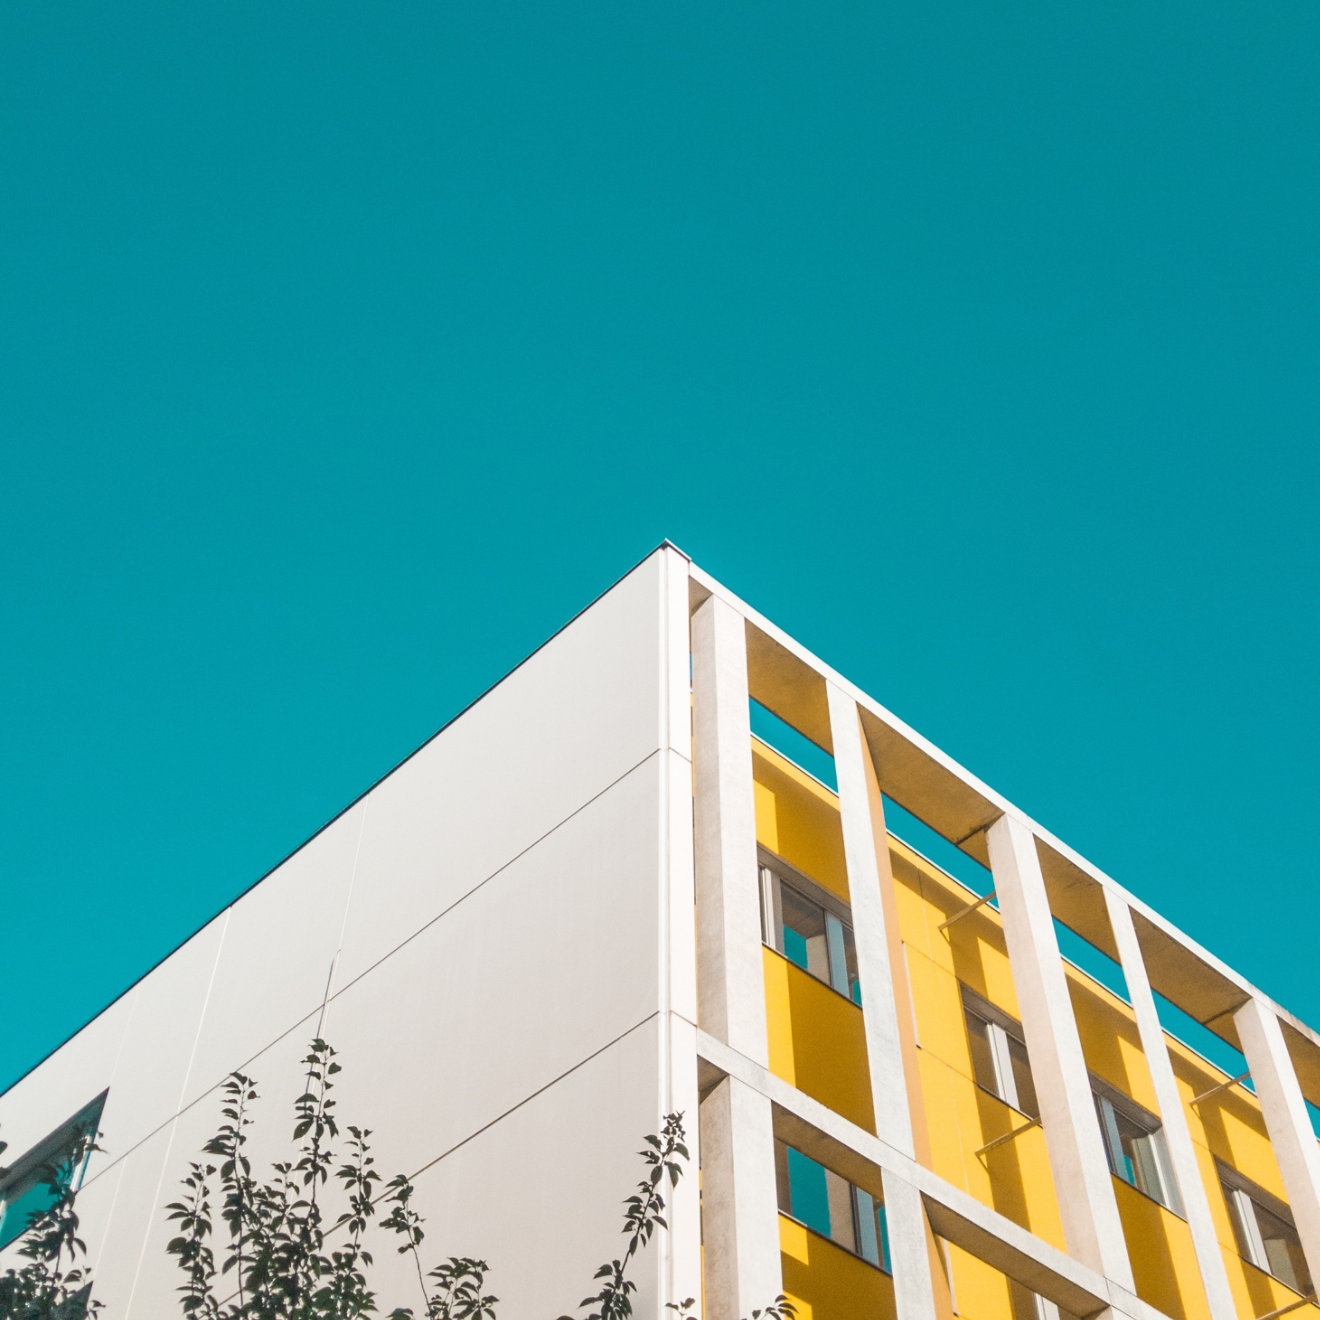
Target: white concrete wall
{"x": 499, "y": 941}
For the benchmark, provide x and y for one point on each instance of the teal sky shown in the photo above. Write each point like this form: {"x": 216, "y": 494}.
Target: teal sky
{"x": 347, "y": 350}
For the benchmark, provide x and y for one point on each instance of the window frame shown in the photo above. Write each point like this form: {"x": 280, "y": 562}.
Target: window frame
{"x": 1000, "y": 1026}
{"x": 860, "y": 1204}
{"x": 773, "y": 872}
{"x": 24, "y": 1173}
{"x": 1109, "y": 1104}
{"x": 1237, "y": 1187}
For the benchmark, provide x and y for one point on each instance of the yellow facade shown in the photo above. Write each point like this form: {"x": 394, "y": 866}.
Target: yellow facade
{"x": 824, "y": 1282}
{"x": 816, "y": 1042}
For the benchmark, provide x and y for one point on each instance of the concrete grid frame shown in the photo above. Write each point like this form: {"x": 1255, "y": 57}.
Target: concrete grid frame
{"x": 1037, "y": 879}
{"x": 544, "y": 930}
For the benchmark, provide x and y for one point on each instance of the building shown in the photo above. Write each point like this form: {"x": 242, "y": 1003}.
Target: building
{"x": 674, "y": 862}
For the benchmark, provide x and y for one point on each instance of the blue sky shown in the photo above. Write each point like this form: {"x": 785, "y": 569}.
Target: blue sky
{"x": 346, "y": 351}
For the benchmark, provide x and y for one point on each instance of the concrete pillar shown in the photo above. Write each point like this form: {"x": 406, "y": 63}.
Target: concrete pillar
{"x": 1082, "y": 1181}
{"x": 730, "y": 975}
{"x": 875, "y": 922}
{"x": 1177, "y": 1133}
{"x": 739, "y": 1202}
{"x": 1286, "y": 1120}
{"x": 912, "y": 1250}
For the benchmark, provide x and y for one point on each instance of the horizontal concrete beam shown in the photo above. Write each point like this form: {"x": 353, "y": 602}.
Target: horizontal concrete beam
{"x": 940, "y": 791}
{"x": 956, "y": 1215}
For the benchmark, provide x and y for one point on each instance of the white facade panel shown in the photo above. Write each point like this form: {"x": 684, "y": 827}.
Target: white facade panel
{"x": 544, "y": 964}
{"x": 279, "y": 946}
{"x": 151, "y": 1071}
{"x": 116, "y": 1211}
{"x": 133, "y": 1261}
{"x": 540, "y": 1194}
{"x": 564, "y": 726}
{"x": 60, "y": 1086}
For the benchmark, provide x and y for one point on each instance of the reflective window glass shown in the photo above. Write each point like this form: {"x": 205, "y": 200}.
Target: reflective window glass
{"x": 27, "y": 1189}
{"x": 1134, "y": 1143}
{"x": 983, "y": 1059}
{"x": 1283, "y": 1250}
{"x": 1266, "y": 1235}
{"x": 830, "y": 1205}
{"x": 1021, "y": 1066}
{"x": 804, "y": 933}
{"x": 21, "y": 1202}
{"x": 814, "y": 934}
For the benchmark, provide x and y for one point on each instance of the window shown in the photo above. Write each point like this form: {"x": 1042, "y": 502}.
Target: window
{"x": 999, "y": 1054}
{"x": 1266, "y": 1235}
{"x": 30, "y": 1185}
{"x": 1134, "y": 1143}
{"x": 809, "y": 926}
{"x": 830, "y": 1205}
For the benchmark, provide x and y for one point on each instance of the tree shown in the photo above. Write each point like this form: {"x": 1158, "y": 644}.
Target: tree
{"x": 53, "y": 1286}
{"x": 295, "y": 1244}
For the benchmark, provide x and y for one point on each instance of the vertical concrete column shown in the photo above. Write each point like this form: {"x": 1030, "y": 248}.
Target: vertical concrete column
{"x": 680, "y": 1248}
{"x": 730, "y": 975}
{"x": 911, "y": 1249}
{"x": 1082, "y": 1181}
{"x": 1177, "y": 1133}
{"x": 875, "y": 922}
{"x": 1286, "y": 1119}
{"x": 739, "y": 1201}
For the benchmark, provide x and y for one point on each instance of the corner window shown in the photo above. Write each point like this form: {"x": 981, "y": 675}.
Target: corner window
{"x": 999, "y": 1054}
{"x": 1266, "y": 1235}
{"x": 830, "y": 1205}
{"x": 1134, "y": 1144}
{"x": 809, "y": 926}
{"x": 32, "y": 1184}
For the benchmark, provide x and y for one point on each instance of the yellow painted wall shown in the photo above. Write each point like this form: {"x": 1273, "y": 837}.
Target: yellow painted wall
{"x": 816, "y": 1037}
{"x": 817, "y": 1042}
{"x": 979, "y": 1290}
{"x": 797, "y": 818}
{"x": 1013, "y": 1178}
{"x": 825, "y": 1282}
{"x": 1229, "y": 1125}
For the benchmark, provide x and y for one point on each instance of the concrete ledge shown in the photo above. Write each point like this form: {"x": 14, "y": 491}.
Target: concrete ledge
{"x": 954, "y": 1214}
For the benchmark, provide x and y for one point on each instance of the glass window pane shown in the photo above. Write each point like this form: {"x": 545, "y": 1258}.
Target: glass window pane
{"x": 1283, "y": 1250}
{"x": 853, "y": 988}
{"x": 1238, "y": 1209}
{"x": 768, "y": 886}
{"x": 1136, "y": 1154}
{"x": 20, "y": 1204}
{"x": 1147, "y": 1167}
{"x": 804, "y": 933}
{"x": 983, "y": 1062}
{"x": 808, "y": 1197}
{"x": 838, "y": 961}
{"x": 868, "y": 1230}
{"x": 840, "y": 1194}
{"x": 1026, "y": 1088}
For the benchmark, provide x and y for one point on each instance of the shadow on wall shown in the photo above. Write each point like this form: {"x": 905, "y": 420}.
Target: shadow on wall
{"x": 827, "y": 1283}
{"x": 817, "y": 1040}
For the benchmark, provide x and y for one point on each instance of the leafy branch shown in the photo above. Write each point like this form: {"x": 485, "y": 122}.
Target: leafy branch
{"x": 269, "y": 1249}
{"x": 53, "y": 1286}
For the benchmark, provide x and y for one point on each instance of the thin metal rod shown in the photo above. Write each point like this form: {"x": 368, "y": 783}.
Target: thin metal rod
{"x": 962, "y": 912}
{"x": 1283, "y": 1310}
{"x": 1223, "y": 1086}
{"x": 1008, "y": 1136}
